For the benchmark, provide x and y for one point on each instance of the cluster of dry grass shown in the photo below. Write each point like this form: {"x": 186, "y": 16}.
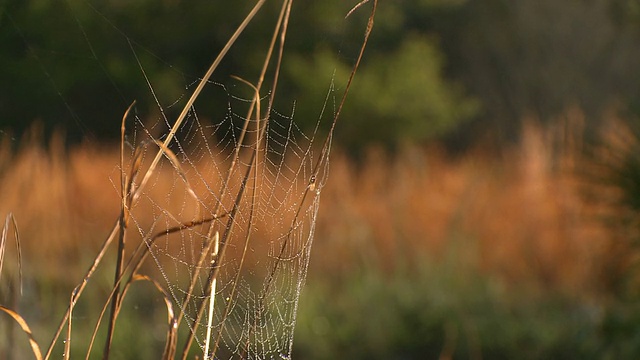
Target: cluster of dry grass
{"x": 528, "y": 216}
{"x": 520, "y": 217}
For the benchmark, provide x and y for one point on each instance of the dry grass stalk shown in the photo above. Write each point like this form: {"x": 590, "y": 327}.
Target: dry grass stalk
{"x": 127, "y": 197}
{"x": 212, "y": 297}
{"x": 11, "y": 221}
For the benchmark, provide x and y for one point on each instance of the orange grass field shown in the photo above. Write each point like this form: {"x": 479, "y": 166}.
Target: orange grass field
{"x": 519, "y": 217}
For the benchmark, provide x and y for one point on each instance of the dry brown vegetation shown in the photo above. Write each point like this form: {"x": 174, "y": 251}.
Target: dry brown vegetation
{"x": 520, "y": 217}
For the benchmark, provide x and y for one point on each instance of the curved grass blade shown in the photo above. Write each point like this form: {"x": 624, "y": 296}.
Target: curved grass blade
{"x": 25, "y": 328}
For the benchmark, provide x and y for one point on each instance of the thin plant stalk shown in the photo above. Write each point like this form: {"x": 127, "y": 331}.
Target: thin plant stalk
{"x": 212, "y": 297}
{"x": 122, "y": 231}
{"x": 67, "y": 343}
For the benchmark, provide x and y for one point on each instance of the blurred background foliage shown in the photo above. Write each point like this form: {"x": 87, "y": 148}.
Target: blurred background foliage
{"x": 450, "y": 70}
{"x": 554, "y": 271}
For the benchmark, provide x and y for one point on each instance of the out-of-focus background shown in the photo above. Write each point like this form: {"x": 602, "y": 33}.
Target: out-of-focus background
{"x": 484, "y": 186}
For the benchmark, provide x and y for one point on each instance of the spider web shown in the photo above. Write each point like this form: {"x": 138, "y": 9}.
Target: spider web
{"x": 228, "y": 217}
{"x": 238, "y": 208}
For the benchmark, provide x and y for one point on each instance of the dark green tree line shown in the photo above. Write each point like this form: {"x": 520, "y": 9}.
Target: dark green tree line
{"x": 77, "y": 64}
{"x": 539, "y": 57}
{"x": 433, "y": 67}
